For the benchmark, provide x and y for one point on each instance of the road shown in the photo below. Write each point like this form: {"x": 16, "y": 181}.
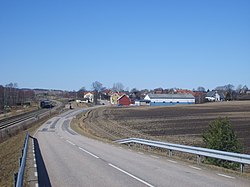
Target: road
{"x": 74, "y": 160}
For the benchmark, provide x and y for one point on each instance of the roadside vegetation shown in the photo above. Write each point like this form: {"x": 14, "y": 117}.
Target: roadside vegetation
{"x": 10, "y": 152}
{"x": 220, "y": 136}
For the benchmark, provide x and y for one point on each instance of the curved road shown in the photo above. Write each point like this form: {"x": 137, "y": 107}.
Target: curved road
{"x": 75, "y": 160}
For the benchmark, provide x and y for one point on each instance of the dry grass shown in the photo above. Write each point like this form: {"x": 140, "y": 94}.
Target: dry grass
{"x": 10, "y": 152}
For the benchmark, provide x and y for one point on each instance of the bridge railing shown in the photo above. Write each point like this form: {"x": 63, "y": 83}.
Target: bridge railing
{"x": 20, "y": 175}
{"x": 229, "y": 156}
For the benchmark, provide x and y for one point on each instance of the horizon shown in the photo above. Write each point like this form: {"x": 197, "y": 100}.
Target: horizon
{"x": 141, "y": 44}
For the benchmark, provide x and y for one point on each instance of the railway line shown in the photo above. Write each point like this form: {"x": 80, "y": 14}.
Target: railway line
{"x": 34, "y": 115}
{"x": 8, "y": 122}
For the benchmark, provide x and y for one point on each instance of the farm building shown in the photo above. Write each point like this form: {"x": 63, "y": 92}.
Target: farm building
{"x": 124, "y": 100}
{"x": 214, "y": 96}
{"x": 142, "y": 102}
{"x": 169, "y": 99}
{"x": 89, "y": 96}
{"x": 114, "y": 98}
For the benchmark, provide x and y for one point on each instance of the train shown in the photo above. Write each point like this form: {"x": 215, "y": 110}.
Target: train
{"x": 46, "y": 104}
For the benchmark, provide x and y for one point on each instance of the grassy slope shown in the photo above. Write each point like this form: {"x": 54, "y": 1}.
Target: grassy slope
{"x": 10, "y": 152}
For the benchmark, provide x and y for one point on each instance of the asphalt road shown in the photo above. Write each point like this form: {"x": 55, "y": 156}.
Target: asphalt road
{"x": 74, "y": 160}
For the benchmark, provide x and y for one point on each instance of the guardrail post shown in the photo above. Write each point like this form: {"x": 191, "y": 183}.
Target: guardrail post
{"x": 198, "y": 159}
{"x": 170, "y": 153}
{"x": 15, "y": 179}
{"x": 149, "y": 148}
{"x": 241, "y": 167}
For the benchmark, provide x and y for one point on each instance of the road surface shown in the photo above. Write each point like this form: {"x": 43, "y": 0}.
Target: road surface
{"x": 74, "y": 160}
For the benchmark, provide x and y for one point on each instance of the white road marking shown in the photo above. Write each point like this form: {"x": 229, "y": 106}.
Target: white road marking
{"x": 34, "y": 160}
{"x": 88, "y": 152}
{"x": 154, "y": 156}
{"x": 172, "y": 161}
{"x": 35, "y": 165}
{"x": 195, "y": 167}
{"x": 225, "y": 176}
{"x": 142, "y": 181}
{"x": 37, "y": 185}
{"x": 35, "y": 173}
{"x": 70, "y": 142}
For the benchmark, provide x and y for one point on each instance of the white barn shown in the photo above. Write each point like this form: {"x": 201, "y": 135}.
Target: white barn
{"x": 169, "y": 99}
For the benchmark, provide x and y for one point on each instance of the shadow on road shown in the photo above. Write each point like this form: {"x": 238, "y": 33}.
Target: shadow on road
{"x": 43, "y": 177}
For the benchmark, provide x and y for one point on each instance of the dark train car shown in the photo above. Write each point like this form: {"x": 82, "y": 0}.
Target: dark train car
{"x": 46, "y": 104}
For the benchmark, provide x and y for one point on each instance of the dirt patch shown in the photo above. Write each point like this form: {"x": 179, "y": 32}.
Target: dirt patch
{"x": 177, "y": 124}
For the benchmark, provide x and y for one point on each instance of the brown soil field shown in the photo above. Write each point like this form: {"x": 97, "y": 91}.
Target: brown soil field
{"x": 182, "y": 124}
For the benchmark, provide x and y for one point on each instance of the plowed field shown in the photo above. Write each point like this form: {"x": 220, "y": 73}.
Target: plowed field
{"x": 177, "y": 124}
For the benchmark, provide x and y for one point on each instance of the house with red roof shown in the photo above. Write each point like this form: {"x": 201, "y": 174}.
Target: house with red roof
{"x": 124, "y": 100}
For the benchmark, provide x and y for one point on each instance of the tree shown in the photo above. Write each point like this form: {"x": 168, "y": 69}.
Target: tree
{"x": 201, "y": 89}
{"x": 97, "y": 86}
{"x": 238, "y": 89}
{"x": 244, "y": 89}
{"x": 221, "y": 136}
{"x": 82, "y": 89}
{"x": 118, "y": 87}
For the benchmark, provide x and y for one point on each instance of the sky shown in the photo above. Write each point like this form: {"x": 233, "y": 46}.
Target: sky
{"x": 62, "y": 44}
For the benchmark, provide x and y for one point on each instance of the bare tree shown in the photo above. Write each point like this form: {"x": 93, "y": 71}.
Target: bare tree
{"x": 201, "y": 89}
{"x": 238, "y": 89}
{"x": 118, "y": 87}
{"x": 97, "y": 86}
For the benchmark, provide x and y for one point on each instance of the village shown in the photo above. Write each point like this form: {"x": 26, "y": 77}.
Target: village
{"x": 162, "y": 97}
{"x": 12, "y": 97}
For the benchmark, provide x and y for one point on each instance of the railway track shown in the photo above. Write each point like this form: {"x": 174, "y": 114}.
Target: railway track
{"x": 21, "y": 118}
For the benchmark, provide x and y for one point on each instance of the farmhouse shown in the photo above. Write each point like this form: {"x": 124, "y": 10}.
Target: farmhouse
{"x": 214, "y": 96}
{"x": 89, "y": 96}
{"x": 114, "y": 98}
{"x": 169, "y": 99}
{"x": 124, "y": 100}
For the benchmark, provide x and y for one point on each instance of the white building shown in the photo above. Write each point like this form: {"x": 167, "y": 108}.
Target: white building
{"x": 169, "y": 99}
{"x": 89, "y": 96}
{"x": 213, "y": 96}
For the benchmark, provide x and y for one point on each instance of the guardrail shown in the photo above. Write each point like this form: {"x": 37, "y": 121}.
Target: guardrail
{"x": 234, "y": 157}
{"x": 18, "y": 182}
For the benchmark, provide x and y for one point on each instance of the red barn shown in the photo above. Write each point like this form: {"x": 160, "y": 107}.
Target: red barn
{"x": 124, "y": 100}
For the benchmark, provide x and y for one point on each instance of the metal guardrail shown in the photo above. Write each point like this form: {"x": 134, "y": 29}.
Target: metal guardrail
{"x": 19, "y": 176}
{"x": 234, "y": 157}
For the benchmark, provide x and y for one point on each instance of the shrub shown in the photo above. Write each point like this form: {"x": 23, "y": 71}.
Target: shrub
{"x": 221, "y": 136}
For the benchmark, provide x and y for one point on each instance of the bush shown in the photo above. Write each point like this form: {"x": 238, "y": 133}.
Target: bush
{"x": 221, "y": 136}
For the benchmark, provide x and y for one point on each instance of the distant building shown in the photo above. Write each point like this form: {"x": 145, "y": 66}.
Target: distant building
{"x": 89, "y": 96}
{"x": 169, "y": 99}
{"x": 114, "y": 98}
{"x": 124, "y": 100}
{"x": 142, "y": 102}
{"x": 214, "y": 96}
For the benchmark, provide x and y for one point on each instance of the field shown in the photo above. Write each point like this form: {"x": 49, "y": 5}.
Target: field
{"x": 183, "y": 124}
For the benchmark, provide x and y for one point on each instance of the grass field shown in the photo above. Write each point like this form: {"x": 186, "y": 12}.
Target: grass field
{"x": 183, "y": 124}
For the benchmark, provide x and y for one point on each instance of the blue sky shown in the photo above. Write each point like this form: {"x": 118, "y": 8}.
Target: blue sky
{"x": 140, "y": 43}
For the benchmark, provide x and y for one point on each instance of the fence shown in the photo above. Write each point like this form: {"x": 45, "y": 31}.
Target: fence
{"x": 234, "y": 157}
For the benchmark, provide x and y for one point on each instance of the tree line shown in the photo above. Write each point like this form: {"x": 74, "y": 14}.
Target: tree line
{"x": 11, "y": 95}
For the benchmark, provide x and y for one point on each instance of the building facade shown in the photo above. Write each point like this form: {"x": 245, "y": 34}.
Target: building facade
{"x": 169, "y": 99}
